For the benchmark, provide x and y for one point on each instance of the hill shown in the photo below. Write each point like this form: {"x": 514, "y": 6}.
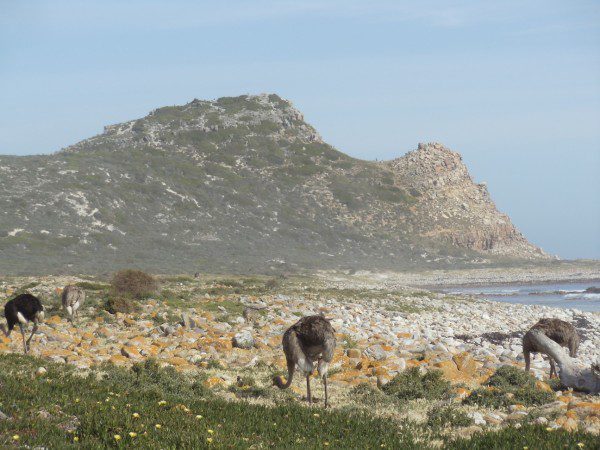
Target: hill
{"x": 242, "y": 184}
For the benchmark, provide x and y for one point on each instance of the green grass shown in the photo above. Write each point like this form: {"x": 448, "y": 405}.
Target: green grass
{"x": 448, "y": 416}
{"x": 63, "y": 410}
{"x": 97, "y": 409}
{"x": 233, "y": 309}
{"x": 528, "y": 436}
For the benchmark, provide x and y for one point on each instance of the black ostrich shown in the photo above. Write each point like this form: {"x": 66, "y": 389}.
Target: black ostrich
{"x": 20, "y": 310}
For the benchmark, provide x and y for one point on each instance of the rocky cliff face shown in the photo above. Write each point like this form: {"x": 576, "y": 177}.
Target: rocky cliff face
{"x": 241, "y": 184}
{"x": 452, "y": 207}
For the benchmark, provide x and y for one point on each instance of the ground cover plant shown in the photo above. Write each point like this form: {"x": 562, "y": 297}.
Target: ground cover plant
{"x": 507, "y": 386}
{"x": 147, "y": 406}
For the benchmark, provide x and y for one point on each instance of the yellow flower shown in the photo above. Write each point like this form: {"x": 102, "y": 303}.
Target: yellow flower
{"x": 162, "y": 403}
{"x": 77, "y": 400}
{"x": 76, "y": 439}
{"x": 210, "y": 431}
{"x": 117, "y": 437}
{"x": 132, "y": 434}
{"x": 209, "y": 440}
{"x": 16, "y": 437}
{"x": 158, "y": 426}
{"x": 135, "y": 415}
{"x": 549, "y": 429}
{"x": 580, "y": 444}
{"x": 198, "y": 417}
{"x": 325, "y": 443}
{"x": 316, "y": 415}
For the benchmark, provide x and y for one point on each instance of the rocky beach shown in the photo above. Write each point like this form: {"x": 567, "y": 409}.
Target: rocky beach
{"x": 226, "y": 329}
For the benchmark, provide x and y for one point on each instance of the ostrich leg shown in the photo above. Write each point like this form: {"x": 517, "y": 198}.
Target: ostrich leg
{"x": 308, "y": 396}
{"x": 25, "y": 346}
{"x": 325, "y": 385}
{"x": 35, "y": 327}
{"x": 553, "y": 373}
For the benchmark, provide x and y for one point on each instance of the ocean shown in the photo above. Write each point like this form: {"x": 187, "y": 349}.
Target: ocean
{"x": 557, "y": 295}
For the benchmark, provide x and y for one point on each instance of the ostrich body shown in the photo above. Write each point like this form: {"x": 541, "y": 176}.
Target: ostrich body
{"x": 20, "y": 310}
{"x": 310, "y": 340}
{"x": 561, "y": 332}
{"x": 72, "y": 299}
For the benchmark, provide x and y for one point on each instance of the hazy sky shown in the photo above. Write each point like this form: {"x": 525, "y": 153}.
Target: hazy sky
{"x": 512, "y": 85}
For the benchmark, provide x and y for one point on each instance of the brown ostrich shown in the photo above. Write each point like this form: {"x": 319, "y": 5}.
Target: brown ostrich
{"x": 73, "y": 298}
{"x": 310, "y": 339}
{"x": 561, "y": 332}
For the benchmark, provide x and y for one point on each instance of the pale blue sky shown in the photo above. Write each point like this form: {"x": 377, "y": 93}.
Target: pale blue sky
{"x": 512, "y": 85}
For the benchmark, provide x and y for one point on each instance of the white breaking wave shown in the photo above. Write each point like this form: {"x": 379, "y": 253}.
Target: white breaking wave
{"x": 582, "y": 296}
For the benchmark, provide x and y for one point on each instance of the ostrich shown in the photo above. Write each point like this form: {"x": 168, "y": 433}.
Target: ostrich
{"x": 22, "y": 309}
{"x": 308, "y": 340}
{"x": 72, "y": 299}
{"x": 561, "y": 332}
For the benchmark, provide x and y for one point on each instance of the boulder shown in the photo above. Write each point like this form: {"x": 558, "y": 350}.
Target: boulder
{"x": 244, "y": 340}
{"x": 376, "y": 352}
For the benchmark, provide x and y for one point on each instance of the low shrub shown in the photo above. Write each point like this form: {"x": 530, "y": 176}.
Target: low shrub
{"x": 509, "y": 385}
{"x": 133, "y": 283}
{"x": 411, "y": 384}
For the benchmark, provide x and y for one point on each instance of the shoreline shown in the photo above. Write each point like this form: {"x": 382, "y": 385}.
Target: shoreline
{"x": 440, "y": 279}
{"x": 435, "y": 287}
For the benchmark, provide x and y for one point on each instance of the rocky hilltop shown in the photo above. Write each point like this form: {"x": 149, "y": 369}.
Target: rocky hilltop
{"x": 450, "y": 205}
{"x": 242, "y": 184}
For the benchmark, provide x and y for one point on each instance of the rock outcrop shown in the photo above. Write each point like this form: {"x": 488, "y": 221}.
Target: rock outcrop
{"x": 452, "y": 207}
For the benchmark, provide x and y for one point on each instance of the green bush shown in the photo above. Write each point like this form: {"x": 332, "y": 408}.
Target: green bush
{"x": 133, "y": 283}
{"x": 508, "y": 377}
{"x": 411, "y": 384}
{"x": 448, "y": 416}
{"x": 509, "y": 385}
